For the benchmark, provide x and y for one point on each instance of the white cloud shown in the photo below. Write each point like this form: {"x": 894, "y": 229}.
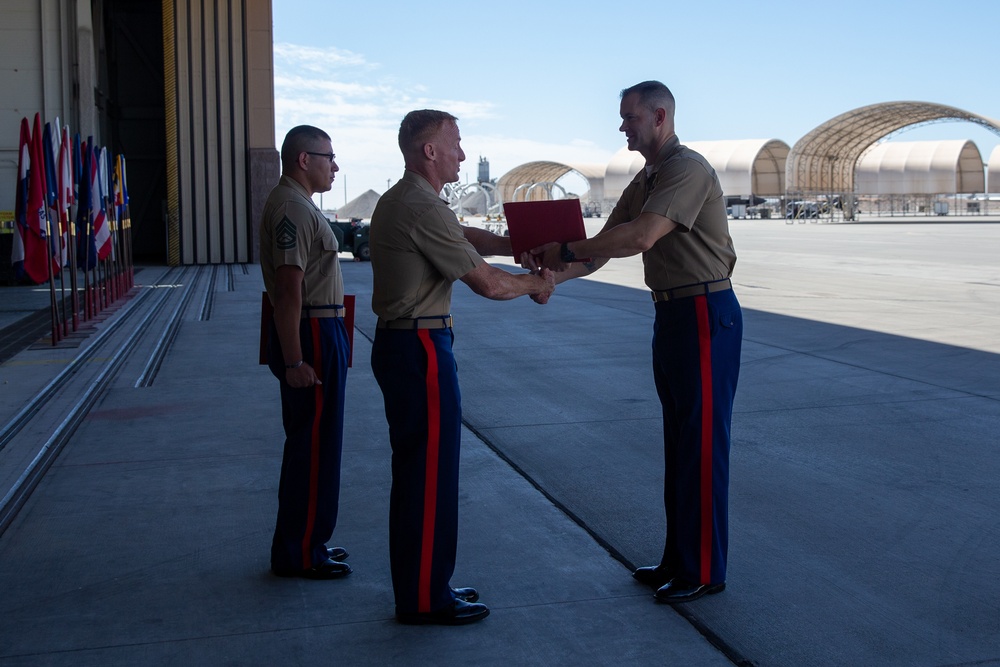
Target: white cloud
{"x": 361, "y": 107}
{"x": 315, "y": 59}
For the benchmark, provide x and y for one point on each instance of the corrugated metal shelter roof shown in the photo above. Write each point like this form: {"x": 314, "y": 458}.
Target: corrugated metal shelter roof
{"x": 510, "y": 184}
{"x": 745, "y": 167}
{"x": 823, "y": 161}
{"x": 920, "y": 168}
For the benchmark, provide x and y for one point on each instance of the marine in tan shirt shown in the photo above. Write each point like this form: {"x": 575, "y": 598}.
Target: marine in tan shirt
{"x": 418, "y": 251}
{"x": 417, "y": 235}
{"x": 673, "y": 213}
{"x": 308, "y": 354}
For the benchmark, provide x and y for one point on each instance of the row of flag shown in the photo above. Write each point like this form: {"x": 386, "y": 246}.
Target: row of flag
{"x": 71, "y": 211}
{"x": 54, "y": 173}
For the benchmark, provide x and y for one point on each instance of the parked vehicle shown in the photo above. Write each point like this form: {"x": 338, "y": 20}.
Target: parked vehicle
{"x": 352, "y": 237}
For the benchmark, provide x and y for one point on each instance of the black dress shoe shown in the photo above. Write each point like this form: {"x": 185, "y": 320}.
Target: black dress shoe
{"x": 653, "y": 576}
{"x": 328, "y": 569}
{"x": 459, "y": 613}
{"x": 679, "y": 590}
{"x": 337, "y": 553}
{"x": 466, "y": 594}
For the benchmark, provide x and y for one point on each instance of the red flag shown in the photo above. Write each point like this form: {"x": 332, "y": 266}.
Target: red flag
{"x": 36, "y": 245}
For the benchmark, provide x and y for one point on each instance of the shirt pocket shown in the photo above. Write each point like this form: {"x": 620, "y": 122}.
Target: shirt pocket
{"x": 329, "y": 256}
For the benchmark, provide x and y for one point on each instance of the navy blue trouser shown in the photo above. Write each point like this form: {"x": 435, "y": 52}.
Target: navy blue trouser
{"x": 419, "y": 380}
{"x": 313, "y": 419}
{"x": 696, "y": 365}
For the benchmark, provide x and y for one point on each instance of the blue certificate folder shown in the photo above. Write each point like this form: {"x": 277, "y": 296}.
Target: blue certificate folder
{"x": 534, "y": 223}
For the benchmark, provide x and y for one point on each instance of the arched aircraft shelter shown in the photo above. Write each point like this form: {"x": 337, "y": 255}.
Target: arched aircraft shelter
{"x": 823, "y": 161}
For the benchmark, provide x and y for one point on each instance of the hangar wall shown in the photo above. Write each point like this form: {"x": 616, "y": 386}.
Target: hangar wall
{"x": 220, "y": 119}
{"x": 215, "y": 158}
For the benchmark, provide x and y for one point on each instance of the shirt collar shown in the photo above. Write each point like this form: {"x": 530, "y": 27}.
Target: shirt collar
{"x": 290, "y": 182}
{"x": 416, "y": 179}
{"x": 671, "y": 145}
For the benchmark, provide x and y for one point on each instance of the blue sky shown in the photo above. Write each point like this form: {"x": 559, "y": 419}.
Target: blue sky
{"x": 540, "y": 80}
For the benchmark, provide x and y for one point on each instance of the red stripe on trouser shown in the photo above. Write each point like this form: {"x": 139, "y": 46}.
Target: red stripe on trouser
{"x": 430, "y": 473}
{"x": 314, "y": 442}
{"x": 705, "y": 363}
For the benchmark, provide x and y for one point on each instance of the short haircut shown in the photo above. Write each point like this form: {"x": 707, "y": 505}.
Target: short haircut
{"x": 653, "y": 95}
{"x": 419, "y": 126}
{"x": 300, "y": 138}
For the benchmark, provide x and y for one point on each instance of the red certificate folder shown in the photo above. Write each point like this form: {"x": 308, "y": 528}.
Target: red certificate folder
{"x": 535, "y": 223}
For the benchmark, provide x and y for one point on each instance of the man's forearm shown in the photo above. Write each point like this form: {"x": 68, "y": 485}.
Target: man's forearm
{"x": 499, "y": 285}
{"x": 627, "y": 239}
{"x": 580, "y": 269}
{"x": 487, "y": 243}
{"x": 286, "y": 323}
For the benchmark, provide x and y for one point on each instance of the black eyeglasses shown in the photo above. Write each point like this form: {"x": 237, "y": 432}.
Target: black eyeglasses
{"x": 328, "y": 156}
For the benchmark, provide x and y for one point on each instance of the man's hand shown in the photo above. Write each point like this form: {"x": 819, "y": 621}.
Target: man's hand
{"x": 548, "y": 256}
{"x": 550, "y": 279}
{"x": 530, "y": 262}
{"x": 301, "y": 377}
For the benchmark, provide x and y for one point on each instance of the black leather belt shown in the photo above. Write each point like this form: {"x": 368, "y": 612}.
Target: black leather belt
{"x": 692, "y": 290}
{"x": 435, "y": 322}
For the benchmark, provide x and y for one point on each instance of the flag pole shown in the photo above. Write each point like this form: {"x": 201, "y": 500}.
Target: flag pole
{"x": 53, "y": 308}
{"x": 62, "y": 279}
{"x": 71, "y": 251}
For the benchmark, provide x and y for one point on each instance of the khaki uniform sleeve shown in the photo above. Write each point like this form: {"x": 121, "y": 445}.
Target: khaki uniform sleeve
{"x": 443, "y": 243}
{"x": 294, "y": 231}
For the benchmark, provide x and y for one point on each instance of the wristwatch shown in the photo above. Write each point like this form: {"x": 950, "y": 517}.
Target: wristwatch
{"x": 565, "y": 254}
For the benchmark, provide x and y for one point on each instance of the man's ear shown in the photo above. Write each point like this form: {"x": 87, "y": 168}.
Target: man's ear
{"x": 660, "y": 115}
{"x": 429, "y": 151}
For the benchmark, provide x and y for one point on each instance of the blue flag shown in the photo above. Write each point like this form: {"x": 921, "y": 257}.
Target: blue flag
{"x": 50, "y": 148}
{"x": 86, "y": 251}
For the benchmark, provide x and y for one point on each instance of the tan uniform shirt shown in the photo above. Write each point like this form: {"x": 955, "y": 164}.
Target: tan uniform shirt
{"x": 685, "y": 189}
{"x": 418, "y": 250}
{"x": 294, "y": 232}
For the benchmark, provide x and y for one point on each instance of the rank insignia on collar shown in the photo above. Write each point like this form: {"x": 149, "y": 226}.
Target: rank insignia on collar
{"x": 285, "y": 234}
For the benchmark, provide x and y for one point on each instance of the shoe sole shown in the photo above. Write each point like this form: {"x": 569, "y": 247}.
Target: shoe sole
{"x": 710, "y": 590}
{"x": 652, "y": 582}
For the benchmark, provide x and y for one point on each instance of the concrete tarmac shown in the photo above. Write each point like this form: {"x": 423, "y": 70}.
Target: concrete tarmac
{"x": 863, "y": 508}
